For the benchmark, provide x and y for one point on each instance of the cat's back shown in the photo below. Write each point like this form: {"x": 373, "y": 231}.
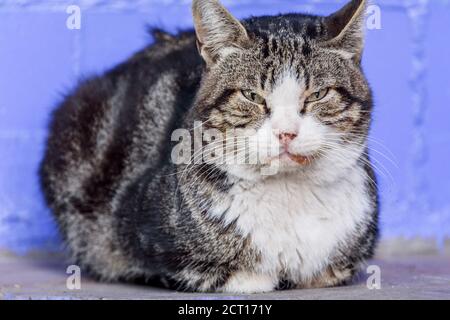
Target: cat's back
{"x": 114, "y": 127}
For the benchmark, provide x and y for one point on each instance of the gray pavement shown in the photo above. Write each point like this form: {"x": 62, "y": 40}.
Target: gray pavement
{"x": 44, "y": 277}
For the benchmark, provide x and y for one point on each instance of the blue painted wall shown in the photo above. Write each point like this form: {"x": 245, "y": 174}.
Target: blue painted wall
{"x": 407, "y": 62}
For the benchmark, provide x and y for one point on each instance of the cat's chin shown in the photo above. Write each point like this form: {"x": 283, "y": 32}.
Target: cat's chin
{"x": 274, "y": 167}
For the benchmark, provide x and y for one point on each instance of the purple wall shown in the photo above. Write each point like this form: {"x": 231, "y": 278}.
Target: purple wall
{"x": 407, "y": 62}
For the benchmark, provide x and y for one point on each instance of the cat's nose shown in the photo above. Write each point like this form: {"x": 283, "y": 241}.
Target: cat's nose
{"x": 286, "y": 137}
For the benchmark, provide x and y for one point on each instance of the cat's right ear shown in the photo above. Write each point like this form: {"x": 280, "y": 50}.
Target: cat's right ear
{"x": 218, "y": 32}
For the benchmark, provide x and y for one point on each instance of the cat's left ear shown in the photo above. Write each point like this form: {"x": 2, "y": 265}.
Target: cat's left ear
{"x": 345, "y": 29}
{"x": 218, "y": 32}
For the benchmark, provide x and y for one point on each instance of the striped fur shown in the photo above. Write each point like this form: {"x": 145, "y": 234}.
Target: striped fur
{"x": 127, "y": 212}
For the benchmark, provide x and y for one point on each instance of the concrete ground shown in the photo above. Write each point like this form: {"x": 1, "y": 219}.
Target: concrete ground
{"x": 44, "y": 277}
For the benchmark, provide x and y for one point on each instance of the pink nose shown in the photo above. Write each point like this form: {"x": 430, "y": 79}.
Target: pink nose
{"x": 286, "y": 138}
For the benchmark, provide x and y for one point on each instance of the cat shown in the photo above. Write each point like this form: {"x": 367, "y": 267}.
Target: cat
{"x": 128, "y": 211}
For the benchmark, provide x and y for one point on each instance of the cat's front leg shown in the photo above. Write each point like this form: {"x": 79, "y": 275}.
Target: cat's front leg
{"x": 243, "y": 282}
{"x": 332, "y": 277}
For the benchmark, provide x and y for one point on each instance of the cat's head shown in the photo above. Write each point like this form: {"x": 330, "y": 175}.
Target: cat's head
{"x": 292, "y": 82}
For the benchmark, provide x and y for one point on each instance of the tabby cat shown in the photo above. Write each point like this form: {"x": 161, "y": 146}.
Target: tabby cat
{"x": 129, "y": 211}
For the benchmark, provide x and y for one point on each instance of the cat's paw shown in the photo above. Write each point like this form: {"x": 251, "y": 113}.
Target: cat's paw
{"x": 248, "y": 283}
{"x": 331, "y": 277}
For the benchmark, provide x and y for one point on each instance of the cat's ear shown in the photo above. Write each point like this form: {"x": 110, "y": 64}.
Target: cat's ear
{"x": 345, "y": 29}
{"x": 218, "y": 32}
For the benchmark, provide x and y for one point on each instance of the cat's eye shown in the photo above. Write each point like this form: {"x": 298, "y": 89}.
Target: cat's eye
{"x": 253, "y": 97}
{"x": 318, "y": 95}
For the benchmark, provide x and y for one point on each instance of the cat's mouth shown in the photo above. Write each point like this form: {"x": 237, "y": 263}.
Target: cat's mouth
{"x": 300, "y": 159}
{"x": 297, "y": 158}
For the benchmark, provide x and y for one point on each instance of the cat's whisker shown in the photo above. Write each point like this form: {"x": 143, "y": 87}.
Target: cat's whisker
{"x": 371, "y": 148}
{"x": 379, "y": 167}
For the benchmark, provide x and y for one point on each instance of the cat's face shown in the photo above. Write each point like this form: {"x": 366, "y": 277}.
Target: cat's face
{"x": 291, "y": 88}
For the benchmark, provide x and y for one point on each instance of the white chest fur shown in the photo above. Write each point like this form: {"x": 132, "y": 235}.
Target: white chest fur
{"x": 296, "y": 225}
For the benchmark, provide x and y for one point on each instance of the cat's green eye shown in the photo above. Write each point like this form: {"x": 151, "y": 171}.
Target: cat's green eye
{"x": 317, "y": 96}
{"x": 253, "y": 97}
